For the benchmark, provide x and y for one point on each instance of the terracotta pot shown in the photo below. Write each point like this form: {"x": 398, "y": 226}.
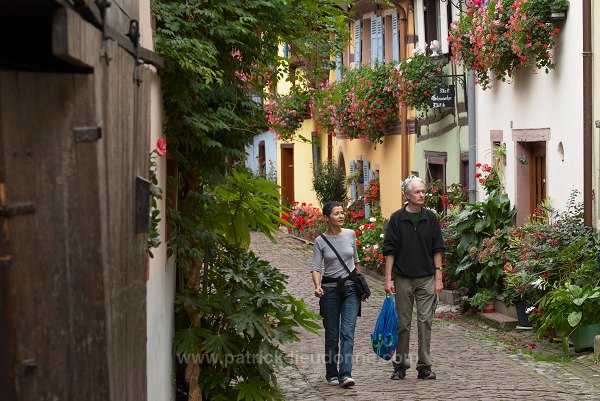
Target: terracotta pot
{"x": 489, "y": 307}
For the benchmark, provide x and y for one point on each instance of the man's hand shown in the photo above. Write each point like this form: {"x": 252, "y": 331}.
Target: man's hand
{"x": 439, "y": 284}
{"x": 388, "y": 287}
{"x": 319, "y": 292}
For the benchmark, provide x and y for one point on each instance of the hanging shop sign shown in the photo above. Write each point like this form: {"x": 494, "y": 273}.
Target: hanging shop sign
{"x": 443, "y": 96}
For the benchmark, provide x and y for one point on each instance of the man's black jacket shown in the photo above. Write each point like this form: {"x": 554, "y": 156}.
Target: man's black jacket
{"x": 413, "y": 246}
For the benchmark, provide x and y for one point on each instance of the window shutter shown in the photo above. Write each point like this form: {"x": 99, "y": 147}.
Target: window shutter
{"x": 357, "y": 47}
{"x": 374, "y": 44}
{"x": 353, "y": 184}
{"x": 380, "y": 48}
{"x": 366, "y": 179}
{"x": 376, "y": 40}
{"x": 395, "y": 40}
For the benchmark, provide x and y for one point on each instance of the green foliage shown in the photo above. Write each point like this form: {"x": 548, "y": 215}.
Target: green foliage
{"x": 329, "y": 182}
{"x": 155, "y": 195}
{"x": 566, "y": 307}
{"x": 551, "y": 247}
{"x": 245, "y": 202}
{"x": 245, "y": 313}
{"x": 218, "y": 55}
{"x": 213, "y": 49}
{"x": 481, "y": 298}
{"x": 476, "y": 222}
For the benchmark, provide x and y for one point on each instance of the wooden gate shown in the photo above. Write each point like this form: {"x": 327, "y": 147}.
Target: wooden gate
{"x": 72, "y": 262}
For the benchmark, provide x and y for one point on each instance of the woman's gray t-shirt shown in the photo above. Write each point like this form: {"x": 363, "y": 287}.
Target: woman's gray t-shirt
{"x": 326, "y": 262}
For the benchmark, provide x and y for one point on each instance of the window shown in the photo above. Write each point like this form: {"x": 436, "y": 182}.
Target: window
{"x": 436, "y": 170}
{"x": 431, "y": 20}
{"x": 262, "y": 159}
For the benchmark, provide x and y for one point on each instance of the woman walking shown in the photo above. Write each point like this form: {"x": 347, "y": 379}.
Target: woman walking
{"x": 338, "y": 301}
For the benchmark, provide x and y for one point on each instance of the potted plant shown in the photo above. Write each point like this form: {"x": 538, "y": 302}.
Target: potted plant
{"x": 483, "y": 300}
{"x": 570, "y": 310}
{"x": 549, "y": 10}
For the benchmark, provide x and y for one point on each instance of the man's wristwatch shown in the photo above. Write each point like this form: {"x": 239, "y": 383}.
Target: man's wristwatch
{"x": 438, "y": 268}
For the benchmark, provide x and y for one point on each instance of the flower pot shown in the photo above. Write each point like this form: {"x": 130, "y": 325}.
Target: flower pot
{"x": 522, "y": 316}
{"x": 489, "y": 307}
{"x": 556, "y": 16}
{"x": 583, "y": 336}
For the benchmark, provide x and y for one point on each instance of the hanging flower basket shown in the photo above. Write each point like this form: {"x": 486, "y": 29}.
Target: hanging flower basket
{"x": 362, "y": 105}
{"x": 285, "y": 114}
{"x": 494, "y": 38}
{"x": 416, "y": 80}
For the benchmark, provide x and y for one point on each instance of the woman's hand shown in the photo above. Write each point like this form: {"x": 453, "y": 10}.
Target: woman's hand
{"x": 319, "y": 292}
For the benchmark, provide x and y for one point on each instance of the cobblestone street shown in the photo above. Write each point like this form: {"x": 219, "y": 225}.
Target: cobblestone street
{"x": 468, "y": 366}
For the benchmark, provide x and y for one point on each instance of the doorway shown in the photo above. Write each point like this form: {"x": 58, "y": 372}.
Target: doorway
{"x": 530, "y": 177}
{"x": 287, "y": 174}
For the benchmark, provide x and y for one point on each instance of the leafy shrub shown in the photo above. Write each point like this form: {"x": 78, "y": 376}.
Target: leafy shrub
{"x": 244, "y": 315}
{"x": 329, "y": 182}
{"x": 481, "y": 298}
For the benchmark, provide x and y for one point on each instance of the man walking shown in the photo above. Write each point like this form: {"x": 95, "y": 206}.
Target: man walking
{"x": 413, "y": 248}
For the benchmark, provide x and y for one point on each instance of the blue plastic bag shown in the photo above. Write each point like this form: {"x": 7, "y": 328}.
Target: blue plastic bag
{"x": 385, "y": 336}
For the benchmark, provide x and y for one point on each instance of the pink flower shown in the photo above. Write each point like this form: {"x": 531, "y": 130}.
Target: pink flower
{"x": 161, "y": 147}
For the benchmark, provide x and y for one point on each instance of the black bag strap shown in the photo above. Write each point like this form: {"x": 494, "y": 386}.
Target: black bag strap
{"x": 337, "y": 254}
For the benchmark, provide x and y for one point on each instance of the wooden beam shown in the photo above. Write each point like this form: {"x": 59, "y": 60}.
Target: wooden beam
{"x": 79, "y": 43}
{"x": 86, "y": 8}
{"x": 74, "y": 40}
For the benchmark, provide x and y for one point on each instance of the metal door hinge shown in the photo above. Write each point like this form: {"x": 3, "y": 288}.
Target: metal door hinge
{"x": 17, "y": 208}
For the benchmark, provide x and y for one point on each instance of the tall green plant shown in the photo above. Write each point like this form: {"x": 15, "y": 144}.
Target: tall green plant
{"x": 476, "y": 222}
{"x": 218, "y": 54}
{"x": 245, "y": 313}
{"x": 329, "y": 182}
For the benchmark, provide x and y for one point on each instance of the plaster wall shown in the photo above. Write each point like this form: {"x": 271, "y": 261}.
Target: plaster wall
{"x": 303, "y": 166}
{"x": 540, "y": 101}
{"x": 270, "y": 139}
{"x": 160, "y": 284}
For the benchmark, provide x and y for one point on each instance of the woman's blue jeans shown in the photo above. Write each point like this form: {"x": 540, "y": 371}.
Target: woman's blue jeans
{"x": 339, "y": 320}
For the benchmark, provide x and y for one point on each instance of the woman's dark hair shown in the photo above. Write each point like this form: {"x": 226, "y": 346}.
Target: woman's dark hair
{"x": 328, "y": 207}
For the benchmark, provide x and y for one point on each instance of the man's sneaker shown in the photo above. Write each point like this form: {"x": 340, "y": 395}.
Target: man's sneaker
{"x": 347, "y": 382}
{"x": 333, "y": 381}
{"x": 426, "y": 374}
{"x": 399, "y": 373}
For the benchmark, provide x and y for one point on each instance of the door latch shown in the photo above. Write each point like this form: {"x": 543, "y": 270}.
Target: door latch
{"x": 16, "y": 209}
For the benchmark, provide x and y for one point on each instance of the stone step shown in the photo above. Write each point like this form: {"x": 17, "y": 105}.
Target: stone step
{"x": 498, "y": 320}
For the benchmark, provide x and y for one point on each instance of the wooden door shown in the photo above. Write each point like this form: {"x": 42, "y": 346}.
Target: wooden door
{"x": 537, "y": 174}
{"x": 72, "y": 264}
{"x": 287, "y": 174}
